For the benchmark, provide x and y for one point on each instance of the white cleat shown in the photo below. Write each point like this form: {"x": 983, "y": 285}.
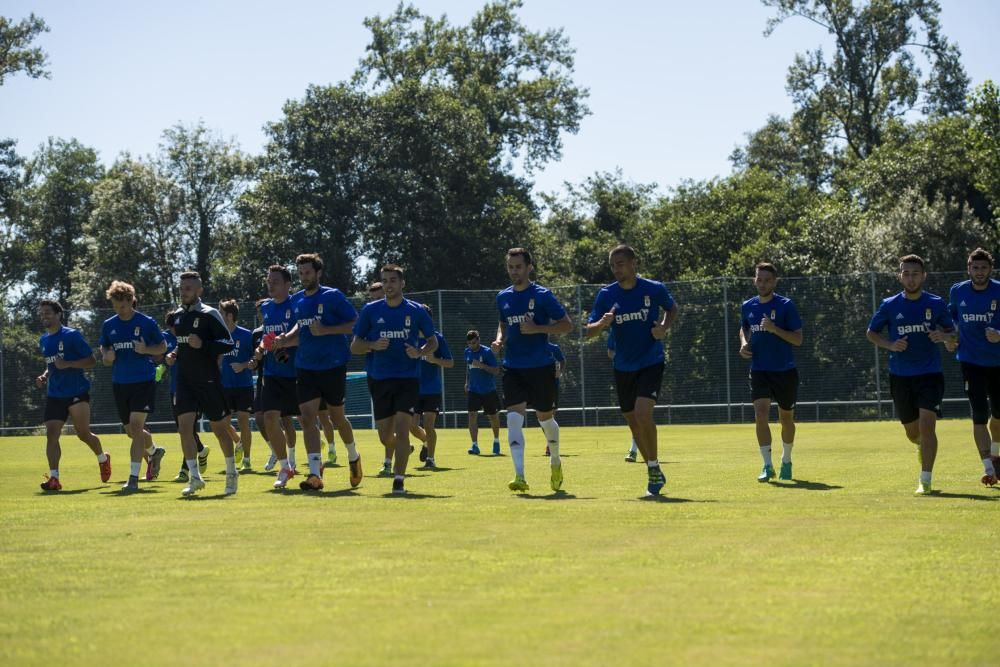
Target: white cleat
{"x": 194, "y": 485}
{"x": 271, "y": 462}
{"x": 283, "y": 478}
{"x": 232, "y": 482}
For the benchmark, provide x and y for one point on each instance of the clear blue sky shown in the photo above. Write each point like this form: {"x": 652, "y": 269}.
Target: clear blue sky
{"x": 675, "y": 85}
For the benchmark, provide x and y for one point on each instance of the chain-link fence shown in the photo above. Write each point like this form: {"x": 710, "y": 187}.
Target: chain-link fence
{"x": 842, "y": 375}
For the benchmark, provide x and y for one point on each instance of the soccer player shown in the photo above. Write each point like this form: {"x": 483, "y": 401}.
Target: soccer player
{"x": 481, "y": 390}
{"x": 279, "y": 399}
{"x": 529, "y": 314}
{"x": 129, "y": 341}
{"x": 973, "y": 306}
{"x": 202, "y": 336}
{"x": 916, "y": 320}
{"x": 67, "y": 356}
{"x": 559, "y": 360}
{"x": 639, "y": 312}
{"x": 633, "y": 451}
{"x": 391, "y": 328}
{"x": 770, "y": 327}
{"x": 168, "y": 361}
{"x": 323, "y": 318}
{"x": 237, "y": 380}
{"x": 429, "y": 401}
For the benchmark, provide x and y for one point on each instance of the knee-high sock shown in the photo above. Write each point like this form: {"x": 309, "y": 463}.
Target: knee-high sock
{"x": 515, "y": 438}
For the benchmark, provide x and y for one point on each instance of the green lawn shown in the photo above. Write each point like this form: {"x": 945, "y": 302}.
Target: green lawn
{"x": 844, "y": 566}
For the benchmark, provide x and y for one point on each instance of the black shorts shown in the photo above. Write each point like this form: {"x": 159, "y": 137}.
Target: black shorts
{"x": 394, "y": 395}
{"x": 279, "y": 394}
{"x": 57, "y": 408}
{"x": 428, "y": 403}
{"x": 982, "y": 386}
{"x": 913, "y": 393}
{"x": 534, "y": 386}
{"x": 133, "y": 397}
{"x": 643, "y": 383}
{"x": 488, "y": 403}
{"x": 204, "y": 397}
{"x": 327, "y": 385}
{"x": 782, "y": 387}
{"x": 239, "y": 399}
{"x": 257, "y": 391}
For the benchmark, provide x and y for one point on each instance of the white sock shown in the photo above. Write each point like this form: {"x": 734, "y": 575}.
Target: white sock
{"x": 193, "y": 470}
{"x": 399, "y": 478}
{"x": 475, "y": 444}
{"x": 925, "y": 476}
{"x": 988, "y": 466}
{"x": 786, "y": 452}
{"x": 352, "y": 451}
{"x": 652, "y": 463}
{"x": 386, "y": 462}
{"x": 282, "y": 464}
{"x": 765, "y": 453}
{"x": 995, "y": 449}
{"x": 331, "y": 447}
{"x": 133, "y": 469}
{"x": 635, "y": 448}
{"x": 551, "y": 430}
{"x": 230, "y": 465}
{"x": 315, "y": 464}
{"x": 54, "y": 473}
{"x": 102, "y": 457}
{"x": 291, "y": 457}
{"x": 515, "y": 439}
{"x": 151, "y": 450}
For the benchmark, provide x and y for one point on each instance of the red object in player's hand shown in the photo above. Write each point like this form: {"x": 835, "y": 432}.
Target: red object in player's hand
{"x": 268, "y": 340}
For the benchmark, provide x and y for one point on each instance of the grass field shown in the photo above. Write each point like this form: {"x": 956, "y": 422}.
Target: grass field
{"x": 843, "y": 566}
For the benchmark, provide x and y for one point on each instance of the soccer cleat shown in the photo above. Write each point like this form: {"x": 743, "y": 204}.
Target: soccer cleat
{"x": 657, "y": 480}
{"x": 397, "y": 487}
{"x": 153, "y": 467}
{"x": 51, "y": 484}
{"x": 283, "y": 477}
{"x": 989, "y": 480}
{"x": 923, "y": 489}
{"x": 105, "y": 467}
{"x": 331, "y": 457}
{"x": 196, "y": 484}
{"x": 630, "y": 457}
{"x": 203, "y": 459}
{"x": 131, "y": 486}
{"x": 311, "y": 483}
{"x": 496, "y": 448}
{"x": 429, "y": 465}
{"x": 786, "y": 471}
{"x": 232, "y": 482}
{"x": 357, "y": 474}
{"x": 557, "y": 477}
{"x": 474, "y": 450}
{"x": 766, "y": 474}
{"x": 271, "y": 462}
{"x": 518, "y": 484}
{"x": 182, "y": 476}
{"x": 423, "y": 452}
{"x": 246, "y": 466}
{"x": 238, "y": 453}
{"x": 386, "y": 470}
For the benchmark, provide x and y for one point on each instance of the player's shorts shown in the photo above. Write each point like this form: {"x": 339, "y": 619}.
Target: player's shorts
{"x": 643, "y": 383}
{"x": 239, "y": 399}
{"x": 488, "y": 403}
{"x": 57, "y": 407}
{"x": 204, "y": 397}
{"x": 534, "y": 386}
{"x": 133, "y": 397}
{"x": 428, "y": 403}
{"x": 257, "y": 391}
{"x": 394, "y": 395}
{"x": 982, "y": 386}
{"x": 327, "y": 385}
{"x": 913, "y": 393}
{"x": 782, "y": 387}
{"x": 279, "y": 394}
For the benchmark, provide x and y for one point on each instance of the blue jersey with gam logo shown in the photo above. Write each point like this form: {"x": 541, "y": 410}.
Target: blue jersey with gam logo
{"x": 914, "y": 319}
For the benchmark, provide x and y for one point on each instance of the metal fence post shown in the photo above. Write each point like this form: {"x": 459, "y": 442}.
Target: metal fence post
{"x": 583, "y": 371}
{"x": 3, "y": 394}
{"x": 878, "y": 379}
{"x": 444, "y": 388}
{"x": 725, "y": 333}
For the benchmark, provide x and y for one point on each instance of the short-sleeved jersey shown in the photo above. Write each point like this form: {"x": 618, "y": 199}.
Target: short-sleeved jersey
{"x": 637, "y": 311}
{"x": 121, "y": 336}
{"x": 537, "y": 303}
{"x": 400, "y": 325}
{"x": 770, "y": 353}
{"x": 200, "y": 365}
{"x": 973, "y": 311}
{"x": 430, "y": 374}
{"x": 171, "y": 346}
{"x": 913, "y": 318}
{"x": 330, "y": 307}
{"x": 69, "y": 344}
{"x": 279, "y": 319}
{"x": 481, "y": 382}
{"x": 241, "y": 353}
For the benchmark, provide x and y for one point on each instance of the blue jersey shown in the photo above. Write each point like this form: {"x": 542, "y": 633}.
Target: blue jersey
{"x": 400, "y": 325}
{"x": 973, "y": 311}
{"x": 278, "y": 319}
{"x": 171, "y": 346}
{"x": 913, "y": 318}
{"x": 770, "y": 353}
{"x": 121, "y": 336}
{"x": 69, "y": 344}
{"x": 481, "y": 382}
{"x": 430, "y": 374}
{"x": 537, "y": 303}
{"x": 637, "y": 311}
{"x": 330, "y": 307}
{"x": 241, "y": 353}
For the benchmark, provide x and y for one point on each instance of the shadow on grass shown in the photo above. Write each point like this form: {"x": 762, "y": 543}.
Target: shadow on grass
{"x": 557, "y": 495}
{"x": 805, "y": 485}
{"x": 964, "y": 496}
{"x": 67, "y": 492}
{"x": 339, "y": 493}
{"x": 217, "y": 496}
{"x": 670, "y": 500}
{"x": 413, "y": 496}
{"x": 121, "y": 493}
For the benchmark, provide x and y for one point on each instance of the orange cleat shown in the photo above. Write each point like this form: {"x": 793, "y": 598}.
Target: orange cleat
{"x": 357, "y": 474}
{"x": 105, "y": 468}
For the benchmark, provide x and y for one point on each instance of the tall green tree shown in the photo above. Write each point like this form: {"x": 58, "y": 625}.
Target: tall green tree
{"x": 983, "y": 138}
{"x": 16, "y": 52}
{"x": 13, "y": 247}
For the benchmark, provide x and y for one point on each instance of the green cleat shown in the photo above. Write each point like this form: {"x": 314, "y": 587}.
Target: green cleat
{"x": 386, "y": 470}
{"x": 182, "y": 476}
{"x": 766, "y": 475}
{"x": 245, "y": 466}
{"x": 924, "y": 489}
{"x": 557, "y": 477}
{"x": 331, "y": 459}
{"x": 786, "y": 471}
{"x": 237, "y": 453}
{"x": 518, "y": 484}
{"x": 630, "y": 457}
{"x": 203, "y": 460}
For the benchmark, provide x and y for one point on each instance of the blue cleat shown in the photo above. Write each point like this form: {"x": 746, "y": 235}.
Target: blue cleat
{"x": 786, "y": 471}
{"x": 474, "y": 450}
{"x": 496, "y": 448}
{"x": 657, "y": 480}
{"x": 767, "y": 474}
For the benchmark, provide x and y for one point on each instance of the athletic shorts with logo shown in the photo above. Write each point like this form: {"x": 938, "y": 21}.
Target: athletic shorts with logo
{"x": 57, "y": 407}
{"x": 643, "y": 383}
{"x": 204, "y": 397}
{"x": 279, "y": 394}
{"x": 133, "y": 397}
{"x": 913, "y": 393}
{"x": 782, "y": 387}
{"x": 327, "y": 385}
{"x": 394, "y": 395}
{"x": 488, "y": 403}
{"x": 534, "y": 386}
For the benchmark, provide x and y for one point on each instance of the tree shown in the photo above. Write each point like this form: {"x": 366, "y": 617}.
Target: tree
{"x": 13, "y": 249}
{"x": 983, "y": 138}
{"x": 15, "y": 54}
{"x": 873, "y": 77}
